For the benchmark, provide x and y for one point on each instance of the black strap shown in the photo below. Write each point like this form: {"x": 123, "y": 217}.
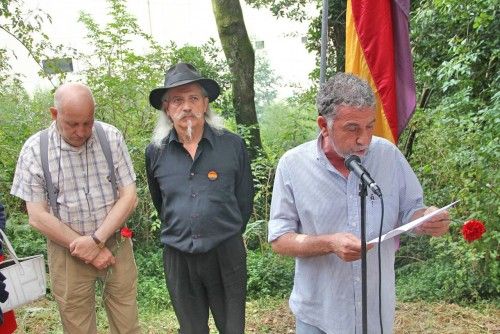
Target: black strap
{"x": 44, "y": 155}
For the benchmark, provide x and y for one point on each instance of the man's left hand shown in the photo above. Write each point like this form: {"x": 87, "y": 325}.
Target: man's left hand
{"x": 437, "y": 225}
{"x": 85, "y": 248}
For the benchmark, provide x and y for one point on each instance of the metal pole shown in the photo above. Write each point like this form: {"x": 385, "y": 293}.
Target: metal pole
{"x": 324, "y": 42}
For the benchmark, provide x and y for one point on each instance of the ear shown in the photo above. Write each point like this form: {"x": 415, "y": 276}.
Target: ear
{"x": 205, "y": 102}
{"x": 53, "y": 113}
{"x": 322, "y": 125}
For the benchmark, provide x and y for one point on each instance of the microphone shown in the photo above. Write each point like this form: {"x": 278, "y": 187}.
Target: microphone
{"x": 353, "y": 163}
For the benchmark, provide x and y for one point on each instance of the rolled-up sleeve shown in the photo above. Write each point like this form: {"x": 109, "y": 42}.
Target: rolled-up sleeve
{"x": 283, "y": 217}
{"x": 411, "y": 196}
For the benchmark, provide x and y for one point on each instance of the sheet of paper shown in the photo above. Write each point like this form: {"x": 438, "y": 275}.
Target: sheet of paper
{"x": 410, "y": 225}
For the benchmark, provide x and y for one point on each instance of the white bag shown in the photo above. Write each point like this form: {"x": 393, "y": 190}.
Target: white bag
{"x": 25, "y": 278}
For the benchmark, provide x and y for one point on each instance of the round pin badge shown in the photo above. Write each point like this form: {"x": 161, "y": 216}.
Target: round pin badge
{"x": 212, "y": 175}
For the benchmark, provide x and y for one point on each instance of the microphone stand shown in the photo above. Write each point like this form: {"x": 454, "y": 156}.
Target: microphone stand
{"x": 362, "y": 195}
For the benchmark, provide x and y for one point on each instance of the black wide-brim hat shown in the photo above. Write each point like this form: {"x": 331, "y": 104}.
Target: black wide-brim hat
{"x": 182, "y": 74}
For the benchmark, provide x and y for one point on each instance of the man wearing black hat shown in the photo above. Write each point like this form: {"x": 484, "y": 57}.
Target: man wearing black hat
{"x": 200, "y": 181}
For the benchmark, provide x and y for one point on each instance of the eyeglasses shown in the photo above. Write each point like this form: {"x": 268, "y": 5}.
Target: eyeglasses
{"x": 178, "y": 101}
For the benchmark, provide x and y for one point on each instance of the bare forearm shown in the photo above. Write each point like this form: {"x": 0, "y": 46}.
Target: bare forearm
{"x": 302, "y": 245}
{"x": 345, "y": 245}
{"x": 47, "y": 224}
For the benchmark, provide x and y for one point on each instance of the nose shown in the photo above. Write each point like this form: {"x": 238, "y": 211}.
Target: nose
{"x": 83, "y": 131}
{"x": 364, "y": 138}
{"x": 186, "y": 105}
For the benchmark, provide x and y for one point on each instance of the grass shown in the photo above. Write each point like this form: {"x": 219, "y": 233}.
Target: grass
{"x": 273, "y": 316}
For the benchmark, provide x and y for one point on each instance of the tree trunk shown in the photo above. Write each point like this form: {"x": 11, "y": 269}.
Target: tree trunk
{"x": 241, "y": 59}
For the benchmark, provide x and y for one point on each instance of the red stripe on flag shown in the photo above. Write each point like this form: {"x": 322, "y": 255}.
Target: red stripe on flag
{"x": 373, "y": 21}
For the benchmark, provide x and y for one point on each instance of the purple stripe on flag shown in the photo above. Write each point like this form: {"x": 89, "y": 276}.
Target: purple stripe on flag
{"x": 405, "y": 82}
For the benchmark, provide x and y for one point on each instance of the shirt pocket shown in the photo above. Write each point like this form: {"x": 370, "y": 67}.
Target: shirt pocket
{"x": 374, "y": 214}
{"x": 221, "y": 188}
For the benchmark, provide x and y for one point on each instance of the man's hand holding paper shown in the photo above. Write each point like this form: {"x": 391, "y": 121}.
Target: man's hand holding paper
{"x": 436, "y": 226}
{"x": 430, "y": 221}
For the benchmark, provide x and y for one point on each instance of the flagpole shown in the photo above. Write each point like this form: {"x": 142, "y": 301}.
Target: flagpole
{"x": 324, "y": 42}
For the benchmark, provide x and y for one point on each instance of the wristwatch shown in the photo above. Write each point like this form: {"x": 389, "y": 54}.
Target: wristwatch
{"x": 99, "y": 243}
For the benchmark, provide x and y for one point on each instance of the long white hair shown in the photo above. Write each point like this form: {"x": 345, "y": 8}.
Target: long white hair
{"x": 164, "y": 125}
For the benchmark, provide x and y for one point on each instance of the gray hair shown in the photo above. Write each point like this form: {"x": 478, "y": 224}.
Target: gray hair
{"x": 343, "y": 89}
{"x": 164, "y": 124}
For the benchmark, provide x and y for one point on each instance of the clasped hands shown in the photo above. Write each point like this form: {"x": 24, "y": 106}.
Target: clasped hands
{"x": 87, "y": 250}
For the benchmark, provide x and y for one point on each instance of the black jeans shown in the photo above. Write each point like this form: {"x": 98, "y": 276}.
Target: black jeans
{"x": 214, "y": 280}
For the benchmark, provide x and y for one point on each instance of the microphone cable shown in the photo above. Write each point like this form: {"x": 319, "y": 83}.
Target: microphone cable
{"x": 380, "y": 266}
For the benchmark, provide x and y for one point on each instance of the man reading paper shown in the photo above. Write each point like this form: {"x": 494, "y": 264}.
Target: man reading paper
{"x": 315, "y": 213}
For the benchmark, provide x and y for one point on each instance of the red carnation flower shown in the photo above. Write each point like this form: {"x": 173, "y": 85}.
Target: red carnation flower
{"x": 126, "y": 232}
{"x": 473, "y": 230}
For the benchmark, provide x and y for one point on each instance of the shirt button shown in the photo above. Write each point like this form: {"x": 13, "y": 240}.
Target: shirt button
{"x": 193, "y": 195}
{"x": 194, "y": 215}
{"x": 192, "y": 174}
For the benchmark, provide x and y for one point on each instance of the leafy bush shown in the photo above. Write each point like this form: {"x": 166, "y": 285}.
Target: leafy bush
{"x": 151, "y": 290}
{"x": 285, "y": 125}
{"x": 454, "y": 156}
{"x": 459, "y": 274}
{"x": 269, "y": 274}
{"x": 456, "y": 150}
{"x": 25, "y": 239}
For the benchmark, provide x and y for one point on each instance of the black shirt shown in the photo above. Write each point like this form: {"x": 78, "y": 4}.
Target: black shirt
{"x": 202, "y": 201}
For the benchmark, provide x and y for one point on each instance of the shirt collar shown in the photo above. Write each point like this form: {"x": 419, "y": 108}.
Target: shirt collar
{"x": 208, "y": 134}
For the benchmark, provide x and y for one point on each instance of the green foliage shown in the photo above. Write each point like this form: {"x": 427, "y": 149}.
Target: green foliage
{"x": 458, "y": 274}
{"x": 23, "y": 25}
{"x": 32, "y": 241}
{"x": 456, "y": 46}
{"x": 297, "y": 10}
{"x": 287, "y": 124}
{"x": 263, "y": 168}
{"x": 20, "y": 117}
{"x": 269, "y": 274}
{"x": 292, "y": 9}
{"x": 151, "y": 290}
{"x": 456, "y": 151}
{"x": 266, "y": 83}
{"x": 462, "y": 137}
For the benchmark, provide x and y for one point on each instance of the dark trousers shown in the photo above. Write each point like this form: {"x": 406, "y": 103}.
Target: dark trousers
{"x": 214, "y": 280}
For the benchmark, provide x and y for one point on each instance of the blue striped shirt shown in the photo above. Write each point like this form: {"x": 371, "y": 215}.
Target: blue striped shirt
{"x": 311, "y": 197}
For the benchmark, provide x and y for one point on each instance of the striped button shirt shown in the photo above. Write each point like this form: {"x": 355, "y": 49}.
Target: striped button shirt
{"x": 79, "y": 174}
{"x": 311, "y": 197}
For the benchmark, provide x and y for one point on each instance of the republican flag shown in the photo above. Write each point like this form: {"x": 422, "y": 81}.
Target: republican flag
{"x": 378, "y": 50}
